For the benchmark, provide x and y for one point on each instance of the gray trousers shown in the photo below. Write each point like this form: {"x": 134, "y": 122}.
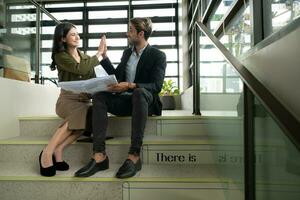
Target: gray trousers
{"x": 135, "y": 104}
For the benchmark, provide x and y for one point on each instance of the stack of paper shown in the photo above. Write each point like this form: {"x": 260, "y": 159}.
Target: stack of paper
{"x": 90, "y": 86}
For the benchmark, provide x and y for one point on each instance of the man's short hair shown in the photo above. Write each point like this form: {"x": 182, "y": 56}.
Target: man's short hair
{"x": 142, "y": 24}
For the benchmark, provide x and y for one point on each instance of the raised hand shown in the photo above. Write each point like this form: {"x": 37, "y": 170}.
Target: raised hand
{"x": 102, "y": 48}
{"x": 104, "y": 55}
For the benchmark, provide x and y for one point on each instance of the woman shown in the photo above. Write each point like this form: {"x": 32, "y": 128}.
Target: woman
{"x": 72, "y": 65}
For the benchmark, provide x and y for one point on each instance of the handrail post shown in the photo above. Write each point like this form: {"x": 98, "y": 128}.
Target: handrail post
{"x": 37, "y": 45}
{"x": 193, "y": 69}
{"x": 196, "y": 77}
{"x": 249, "y": 144}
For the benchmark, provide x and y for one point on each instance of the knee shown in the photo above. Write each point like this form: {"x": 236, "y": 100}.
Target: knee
{"x": 141, "y": 96}
{"x": 138, "y": 93}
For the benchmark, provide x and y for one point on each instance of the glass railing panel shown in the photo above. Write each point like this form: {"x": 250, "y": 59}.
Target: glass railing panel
{"x": 220, "y": 96}
{"x": 238, "y": 34}
{"x": 218, "y": 14}
{"x": 277, "y": 160}
{"x": 220, "y": 86}
{"x": 17, "y": 40}
{"x": 48, "y": 76}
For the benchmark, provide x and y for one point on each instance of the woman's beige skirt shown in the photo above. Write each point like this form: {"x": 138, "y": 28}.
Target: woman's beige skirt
{"x": 73, "y": 109}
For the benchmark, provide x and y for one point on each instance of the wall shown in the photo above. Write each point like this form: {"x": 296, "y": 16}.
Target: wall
{"x": 277, "y": 66}
{"x": 23, "y": 99}
{"x": 184, "y": 72}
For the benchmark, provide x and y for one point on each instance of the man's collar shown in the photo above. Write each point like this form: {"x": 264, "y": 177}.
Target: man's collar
{"x": 141, "y": 51}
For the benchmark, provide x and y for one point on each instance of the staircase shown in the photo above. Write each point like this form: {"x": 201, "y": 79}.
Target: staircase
{"x": 184, "y": 157}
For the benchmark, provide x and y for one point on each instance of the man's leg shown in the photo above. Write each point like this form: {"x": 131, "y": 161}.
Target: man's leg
{"x": 99, "y": 124}
{"x": 103, "y": 103}
{"x": 135, "y": 104}
{"x": 141, "y": 101}
{"x": 100, "y": 121}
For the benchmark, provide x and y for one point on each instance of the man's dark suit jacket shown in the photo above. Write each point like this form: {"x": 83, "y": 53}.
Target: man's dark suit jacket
{"x": 150, "y": 73}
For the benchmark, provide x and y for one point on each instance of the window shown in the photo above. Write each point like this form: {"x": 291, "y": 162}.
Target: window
{"x": 282, "y": 13}
{"x": 219, "y": 13}
{"x": 164, "y": 16}
{"x": 95, "y": 18}
{"x": 216, "y": 75}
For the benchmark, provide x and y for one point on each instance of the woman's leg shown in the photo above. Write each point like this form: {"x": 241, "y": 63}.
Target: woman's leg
{"x": 58, "y": 152}
{"x": 59, "y": 136}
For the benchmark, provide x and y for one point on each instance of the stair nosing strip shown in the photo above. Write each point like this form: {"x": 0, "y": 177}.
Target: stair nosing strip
{"x": 112, "y": 179}
{"x": 187, "y": 142}
{"x": 146, "y": 142}
{"x": 39, "y": 118}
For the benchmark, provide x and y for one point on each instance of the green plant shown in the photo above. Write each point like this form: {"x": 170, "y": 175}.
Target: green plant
{"x": 169, "y": 88}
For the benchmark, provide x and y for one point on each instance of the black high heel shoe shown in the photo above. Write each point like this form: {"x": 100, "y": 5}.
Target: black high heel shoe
{"x": 60, "y": 166}
{"x": 46, "y": 171}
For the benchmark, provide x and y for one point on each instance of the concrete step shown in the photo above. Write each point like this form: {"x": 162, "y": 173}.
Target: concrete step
{"x": 170, "y": 123}
{"x": 161, "y": 150}
{"x": 187, "y": 183}
{"x": 21, "y": 180}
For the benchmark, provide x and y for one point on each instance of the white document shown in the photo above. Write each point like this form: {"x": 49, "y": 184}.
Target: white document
{"x": 100, "y": 71}
{"x": 90, "y": 86}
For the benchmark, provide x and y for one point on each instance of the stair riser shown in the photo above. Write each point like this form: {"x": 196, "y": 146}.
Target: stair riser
{"x": 116, "y": 127}
{"x": 278, "y": 192}
{"x": 60, "y": 190}
{"x": 171, "y": 191}
{"x": 205, "y": 191}
{"x": 122, "y": 127}
{"x": 53, "y": 190}
{"x": 79, "y": 153}
{"x": 208, "y": 154}
{"x": 151, "y": 154}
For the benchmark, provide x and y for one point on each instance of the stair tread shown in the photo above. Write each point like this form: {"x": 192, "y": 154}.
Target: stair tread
{"x": 166, "y": 114}
{"x": 148, "y": 139}
{"x": 172, "y": 173}
{"x": 23, "y": 171}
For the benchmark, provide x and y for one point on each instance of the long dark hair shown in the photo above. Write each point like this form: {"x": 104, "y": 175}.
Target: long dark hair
{"x": 61, "y": 31}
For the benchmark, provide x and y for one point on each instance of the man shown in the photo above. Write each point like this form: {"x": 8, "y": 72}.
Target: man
{"x": 140, "y": 75}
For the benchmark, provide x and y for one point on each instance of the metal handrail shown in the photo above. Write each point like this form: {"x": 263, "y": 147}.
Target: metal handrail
{"x": 42, "y": 79}
{"x": 285, "y": 119}
{"x": 36, "y": 4}
{"x": 39, "y": 9}
{"x": 211, "y": 6}
{"x": 237, "y": 5}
